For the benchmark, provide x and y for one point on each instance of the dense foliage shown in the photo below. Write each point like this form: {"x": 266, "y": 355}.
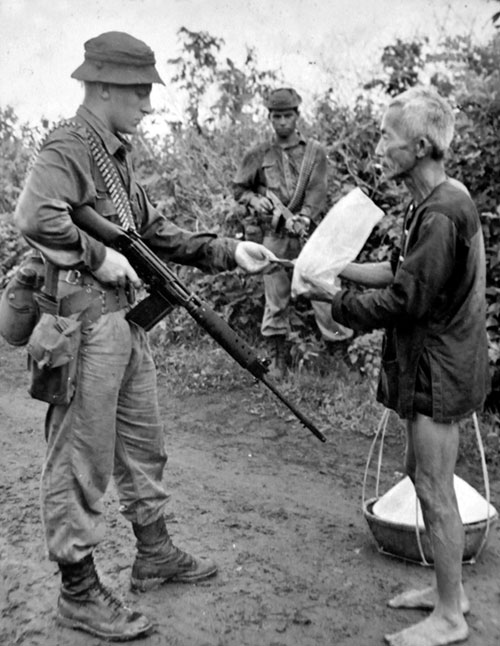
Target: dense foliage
{"x": 188, "y": 170}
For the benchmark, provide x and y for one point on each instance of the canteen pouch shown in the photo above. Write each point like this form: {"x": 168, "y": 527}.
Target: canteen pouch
{"x": 18, "y": 308}
{"x": 53, "y": 358}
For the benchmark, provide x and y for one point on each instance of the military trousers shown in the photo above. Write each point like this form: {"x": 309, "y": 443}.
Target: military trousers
{"x": 111, "y": 429}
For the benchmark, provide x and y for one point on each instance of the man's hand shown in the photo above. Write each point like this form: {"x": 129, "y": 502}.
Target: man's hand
{"x": 253, "y": 257}
{"x": 116, "y": 270}
{"x": 261, "y": 204}
{"x": 316, "y": 291}
{"x": 298, "y": 224}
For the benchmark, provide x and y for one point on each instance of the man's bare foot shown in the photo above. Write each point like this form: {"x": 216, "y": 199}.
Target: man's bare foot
{"x": 433, "y": 631}
{"x": 425, "y": 599}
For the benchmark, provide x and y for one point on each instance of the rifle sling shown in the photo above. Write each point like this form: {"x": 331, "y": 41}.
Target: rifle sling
{"x": 304, "y": 176}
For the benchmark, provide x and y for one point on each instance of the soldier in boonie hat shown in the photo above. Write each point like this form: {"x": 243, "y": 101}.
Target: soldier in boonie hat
{"x": 118, "y": 58}
{"x": 283, "y": 99}
{"x": 109, "y": 424}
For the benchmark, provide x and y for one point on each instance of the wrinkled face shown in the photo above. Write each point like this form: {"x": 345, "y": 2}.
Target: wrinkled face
{"x": 284, "y": 122}
{"x": 128, "y": 104}
{"x": 397, "y": 152}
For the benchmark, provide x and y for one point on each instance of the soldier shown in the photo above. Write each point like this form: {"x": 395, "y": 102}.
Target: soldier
{"x": 289, "y": 171}
{"x": 111, "y": 425}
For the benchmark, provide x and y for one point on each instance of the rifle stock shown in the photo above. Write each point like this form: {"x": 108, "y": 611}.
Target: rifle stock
{"x": 166, "y": 291}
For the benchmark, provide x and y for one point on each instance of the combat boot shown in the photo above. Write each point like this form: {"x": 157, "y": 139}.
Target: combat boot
{"x": 277, "y": 367}
{"x": 86, "y": 604}
{"x": 159, "y": 561}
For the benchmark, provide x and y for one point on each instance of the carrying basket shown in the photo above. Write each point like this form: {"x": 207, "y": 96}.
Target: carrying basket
{"x": 408, "y": 540}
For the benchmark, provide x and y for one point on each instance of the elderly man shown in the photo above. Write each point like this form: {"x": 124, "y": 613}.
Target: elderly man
{"x": 111, "y": 425}
{"x": 290, "y": 171}
{"x": 431, "y": 300}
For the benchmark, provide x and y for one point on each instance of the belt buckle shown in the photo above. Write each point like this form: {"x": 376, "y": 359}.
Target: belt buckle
{"x": 73, "y": 277}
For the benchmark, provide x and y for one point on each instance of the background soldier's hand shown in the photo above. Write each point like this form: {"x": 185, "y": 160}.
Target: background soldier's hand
{"x": 299, "y": 225}
{"x": 261, "y": 204}
{"x": 253, "y": 257}
{"x": 116, "y": 270}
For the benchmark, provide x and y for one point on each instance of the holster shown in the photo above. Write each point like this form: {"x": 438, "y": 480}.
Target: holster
{"x": 53, "y": 358}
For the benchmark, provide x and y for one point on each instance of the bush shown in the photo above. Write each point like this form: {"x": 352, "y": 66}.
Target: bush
{"x": 188, "y": 171}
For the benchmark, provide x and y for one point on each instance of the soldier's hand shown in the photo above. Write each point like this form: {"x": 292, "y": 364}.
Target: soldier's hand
{"x": 299, "y": 225}
{"x": 253, "y": 257}
{"x": 261, "y": 204}
{"x": 116, "y": 270}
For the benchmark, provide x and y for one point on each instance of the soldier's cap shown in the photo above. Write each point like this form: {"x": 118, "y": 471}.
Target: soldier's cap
{"x": 118, "y": 58}
{"x": 283, "y": 98}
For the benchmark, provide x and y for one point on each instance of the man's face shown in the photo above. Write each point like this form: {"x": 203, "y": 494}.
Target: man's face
{"x": 396, "y": 150}
{"x": 128, "y": 104}
{"x": 284, "y": 122}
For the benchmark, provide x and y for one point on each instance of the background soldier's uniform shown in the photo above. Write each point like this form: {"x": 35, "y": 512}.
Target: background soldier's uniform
{"x": 277, "y": 167}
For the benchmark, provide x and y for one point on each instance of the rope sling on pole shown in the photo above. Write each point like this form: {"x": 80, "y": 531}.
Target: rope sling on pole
{"x": 389, "y": 533}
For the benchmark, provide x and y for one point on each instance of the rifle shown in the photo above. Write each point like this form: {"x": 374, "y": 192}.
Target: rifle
{"x": 166, "y": 292}
{"x": 282, "y": 215}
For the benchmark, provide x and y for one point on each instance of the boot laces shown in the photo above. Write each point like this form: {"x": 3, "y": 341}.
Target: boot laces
{"x": 114, "y": 603}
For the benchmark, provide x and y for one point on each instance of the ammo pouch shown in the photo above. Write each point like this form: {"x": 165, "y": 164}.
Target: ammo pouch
{"x": 53, "y": 358}
{"x": 18, "y": 307}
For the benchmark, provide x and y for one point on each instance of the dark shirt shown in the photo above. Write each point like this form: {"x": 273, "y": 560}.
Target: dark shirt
{"x": 434, "y": 312}
{"x": 277, "y": 168}
{"x": 65, "y": 176}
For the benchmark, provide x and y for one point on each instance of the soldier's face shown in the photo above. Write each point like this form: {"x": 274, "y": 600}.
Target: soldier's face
{"x": 397, "y": 151}
{"x": 284, "y": 122}
{"x": 128, "y": 105}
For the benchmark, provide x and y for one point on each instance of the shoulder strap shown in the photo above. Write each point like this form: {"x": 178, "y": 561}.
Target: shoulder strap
{"x": 304, "y": 175}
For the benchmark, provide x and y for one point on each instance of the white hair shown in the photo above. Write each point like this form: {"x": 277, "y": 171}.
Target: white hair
{"x": 424, "y": 113}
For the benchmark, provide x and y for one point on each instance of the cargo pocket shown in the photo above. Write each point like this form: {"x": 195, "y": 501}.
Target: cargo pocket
{"x": 53, "y": 358}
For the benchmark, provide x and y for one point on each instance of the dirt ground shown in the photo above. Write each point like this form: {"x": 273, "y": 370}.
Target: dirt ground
{"x": 279, "y": 511}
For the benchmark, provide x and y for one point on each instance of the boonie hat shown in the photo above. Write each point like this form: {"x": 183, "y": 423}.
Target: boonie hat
{"x": 118, "y": 58}
{"x": 283, "y": 98}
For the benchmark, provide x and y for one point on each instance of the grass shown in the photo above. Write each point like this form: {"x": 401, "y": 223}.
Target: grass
{"x": 327, "y": 388}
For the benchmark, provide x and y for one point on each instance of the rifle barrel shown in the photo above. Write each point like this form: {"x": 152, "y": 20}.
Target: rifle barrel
{"x": 161, "y": 278}
{"x": 303, "y": 419}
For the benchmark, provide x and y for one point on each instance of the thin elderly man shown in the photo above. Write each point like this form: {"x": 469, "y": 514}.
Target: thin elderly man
{"x": 111, "y": 427}
{"x": 289, "y": 170}
{"x": 431, "y": 302}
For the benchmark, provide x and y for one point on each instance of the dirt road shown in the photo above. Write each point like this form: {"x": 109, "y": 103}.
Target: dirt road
{"x": 279, "y": 511}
